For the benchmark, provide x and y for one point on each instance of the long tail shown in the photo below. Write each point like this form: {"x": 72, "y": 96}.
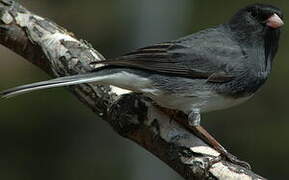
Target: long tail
{"x": 58, "y": 82}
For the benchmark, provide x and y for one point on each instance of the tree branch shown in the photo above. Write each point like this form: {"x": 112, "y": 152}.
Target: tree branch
{"x": 60, "y": 53}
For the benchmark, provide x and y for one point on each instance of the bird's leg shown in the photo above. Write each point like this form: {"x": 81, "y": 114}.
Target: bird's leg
{"x": 194, "y": 119}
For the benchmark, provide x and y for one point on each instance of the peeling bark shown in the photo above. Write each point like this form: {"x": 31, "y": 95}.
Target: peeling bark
{"x": 60, "y": 53}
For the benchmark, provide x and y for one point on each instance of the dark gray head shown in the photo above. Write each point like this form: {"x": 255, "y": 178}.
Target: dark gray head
{"x": 258, "y": 16}
{"x": 259, "y": 22}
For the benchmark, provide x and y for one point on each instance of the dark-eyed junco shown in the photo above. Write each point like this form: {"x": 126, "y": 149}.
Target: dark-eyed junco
{"x": 213, "y": 69}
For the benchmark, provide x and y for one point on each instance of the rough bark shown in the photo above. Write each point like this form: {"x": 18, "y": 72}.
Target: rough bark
{"x": 60, "y": 53}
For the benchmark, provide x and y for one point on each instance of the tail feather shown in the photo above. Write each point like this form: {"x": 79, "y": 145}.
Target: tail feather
{"x": 58, "y": 82}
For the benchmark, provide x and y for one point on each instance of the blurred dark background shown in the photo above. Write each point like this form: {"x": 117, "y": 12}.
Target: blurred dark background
{"x": 51, "y": 135}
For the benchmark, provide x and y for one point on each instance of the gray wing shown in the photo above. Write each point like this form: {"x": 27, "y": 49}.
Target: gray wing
{"x": 209, "y": 55}
{"x": 200, "y": 56}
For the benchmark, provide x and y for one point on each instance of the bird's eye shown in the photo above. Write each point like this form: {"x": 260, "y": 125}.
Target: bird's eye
{"x": 254, "y": 13}
{"x": 261, "y": 15}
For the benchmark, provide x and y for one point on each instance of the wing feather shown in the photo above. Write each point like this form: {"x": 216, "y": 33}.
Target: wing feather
{"x": 171, "y": 58}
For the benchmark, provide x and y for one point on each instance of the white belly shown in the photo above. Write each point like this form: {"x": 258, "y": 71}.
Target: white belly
{"x": 205, "y": 103}
{"x": 204, "y": 100}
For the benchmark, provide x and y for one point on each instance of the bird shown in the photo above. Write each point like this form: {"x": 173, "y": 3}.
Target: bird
{"x": 212, "y": 69}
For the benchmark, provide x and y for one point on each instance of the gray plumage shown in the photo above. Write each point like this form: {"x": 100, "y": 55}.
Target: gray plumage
{"x": 209, "y": 70}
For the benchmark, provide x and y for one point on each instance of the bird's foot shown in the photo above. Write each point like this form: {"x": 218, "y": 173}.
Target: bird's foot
{"x": 231, "y": 158}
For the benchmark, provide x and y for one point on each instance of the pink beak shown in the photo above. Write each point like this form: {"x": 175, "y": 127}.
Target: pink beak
{"x": 274, "y": 21}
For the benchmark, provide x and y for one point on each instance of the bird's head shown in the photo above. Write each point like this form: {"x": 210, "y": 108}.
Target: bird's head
{"x": 258, "y": 17}
{"x": 259, "y": 25}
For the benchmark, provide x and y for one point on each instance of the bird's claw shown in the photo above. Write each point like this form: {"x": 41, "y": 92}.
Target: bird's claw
{"x": 228, "y": 157}
{"x": 233, "y": 159}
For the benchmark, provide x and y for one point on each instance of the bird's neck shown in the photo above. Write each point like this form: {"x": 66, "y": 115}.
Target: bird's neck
{"x": 247, "y": 35}
{"x": 258, "y": 42}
